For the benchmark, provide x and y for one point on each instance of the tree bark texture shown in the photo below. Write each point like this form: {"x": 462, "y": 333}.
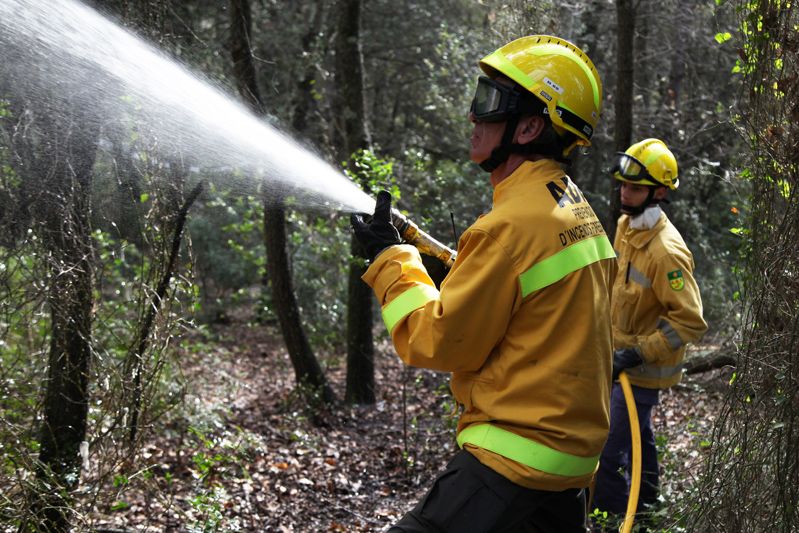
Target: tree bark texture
{"x": 712, "y": 362}
{"x": 65, "y": 173}
{"x": 351, "y": 109}
{"x": 677, "y": 69}
{"x": 589, "y": 172}
{"x": 623, "y": 98}
{"x": 350, "y": 97}
{"x": 304, "y": 102}
{"x": 360, "y": 343}
{"x": 306, "y": 367}
{"x": 241, "y": 52}
{"x": 307, "y": 370}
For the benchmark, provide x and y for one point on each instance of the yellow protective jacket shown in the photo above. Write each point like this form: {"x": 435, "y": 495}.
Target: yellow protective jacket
{"x": 656, "y": 303}
{"x": 523, "y": 323}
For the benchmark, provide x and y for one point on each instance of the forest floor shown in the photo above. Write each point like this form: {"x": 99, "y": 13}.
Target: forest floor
{"x": 244, "y": 454}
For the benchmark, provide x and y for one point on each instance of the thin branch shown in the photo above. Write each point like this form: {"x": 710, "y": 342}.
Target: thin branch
{"x": 137, "y": 357}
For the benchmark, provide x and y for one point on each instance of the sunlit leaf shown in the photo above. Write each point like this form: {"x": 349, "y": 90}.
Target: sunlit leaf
{"x": 723, "y": 37}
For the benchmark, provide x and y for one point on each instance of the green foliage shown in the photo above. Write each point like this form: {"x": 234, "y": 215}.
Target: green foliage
{"x": 216, "y": 457}
{"x": 125, "y": 280}
{"x": 208, "y": 505}
{"x": 420, "y": 68}
{"x": 24, "y": 323}
{"x": 120, "y": 505}
{"x": 320, "y": 248}
{"x": 449, "y": 407}
{"x": 227, "y": 238}
{"x": 723, "y": 37}
{"x": 372, "y": 173}
{"x": 746, "y": 483}
{"x": 601, "y": 519}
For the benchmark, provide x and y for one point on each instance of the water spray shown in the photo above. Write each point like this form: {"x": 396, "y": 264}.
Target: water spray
{"x": 65, "y": 52}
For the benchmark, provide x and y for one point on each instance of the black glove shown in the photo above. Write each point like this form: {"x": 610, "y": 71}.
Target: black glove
{"x": 624, "y": 359}
{"x": 376, "y": 233}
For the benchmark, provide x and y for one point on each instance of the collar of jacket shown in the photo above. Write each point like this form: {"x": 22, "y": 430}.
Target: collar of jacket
{"x": 640, "y": 238}
{"x": 528, "y": 172}
{"x": 647, "y": 219}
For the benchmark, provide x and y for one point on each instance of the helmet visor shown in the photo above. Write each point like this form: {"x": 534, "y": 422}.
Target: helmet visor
{"x": 630, "y": 169}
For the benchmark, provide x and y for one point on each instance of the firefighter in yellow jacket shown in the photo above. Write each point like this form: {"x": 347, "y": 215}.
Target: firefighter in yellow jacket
{"x": 522, "y": 320}
{"x": 656, "y": 311}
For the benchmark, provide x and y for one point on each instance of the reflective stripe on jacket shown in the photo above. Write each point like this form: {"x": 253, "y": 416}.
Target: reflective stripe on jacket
{"x": 523, "y": 323}
{"x": 656, "y": 302}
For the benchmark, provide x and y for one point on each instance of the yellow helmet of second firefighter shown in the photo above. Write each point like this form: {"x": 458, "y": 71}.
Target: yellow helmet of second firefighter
{"x": 648, "y": 162}
{"x": 559, "y": 74}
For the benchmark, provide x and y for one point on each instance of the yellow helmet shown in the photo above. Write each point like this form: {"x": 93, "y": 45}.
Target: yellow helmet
{"x": 559, "y": 74}
{"x": 648, "y": 162}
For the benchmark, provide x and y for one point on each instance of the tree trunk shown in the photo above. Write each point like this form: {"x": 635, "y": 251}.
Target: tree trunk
{"x": 647, "y": 78}
{"x": 588, "y": 173}
{"x": 306, "y": 368}
{"x": 678, "y": 62}
{"x": 750, "y": 479}
{"x": 360, "y": 323}
{"x": 623, "y": 99}
{"x": 354, "y": 135}
{"x": 241, "y": 53}
{"x": 65, "y": 171}
{"x": 714, "y": 361}
{"x": 304, "y": 101}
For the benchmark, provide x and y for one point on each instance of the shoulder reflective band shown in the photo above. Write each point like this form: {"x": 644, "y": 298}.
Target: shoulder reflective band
{"x": 406, "y": 303}
{"x": 671, "y": 334}
{"x": 526, "y": 451}
{"x": 558, "y": 266}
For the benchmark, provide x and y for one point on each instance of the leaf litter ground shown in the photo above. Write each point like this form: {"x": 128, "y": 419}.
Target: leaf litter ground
{"x": 243, "y": 453}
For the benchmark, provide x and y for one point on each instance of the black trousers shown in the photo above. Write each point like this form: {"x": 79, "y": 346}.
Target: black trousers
{"x": 612, "y": 488}
{"x": 469, "y": 497}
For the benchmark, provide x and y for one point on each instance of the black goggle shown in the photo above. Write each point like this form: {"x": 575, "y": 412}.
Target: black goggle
{"x": 631, "y": 169}
{"x": 496, "y": 102}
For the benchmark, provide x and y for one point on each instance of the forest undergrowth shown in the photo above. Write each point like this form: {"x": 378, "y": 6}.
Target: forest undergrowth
{"x": 245, "y": 453}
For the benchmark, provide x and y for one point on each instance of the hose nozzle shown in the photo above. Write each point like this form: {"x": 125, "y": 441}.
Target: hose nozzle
{"x": 426, "y": 244}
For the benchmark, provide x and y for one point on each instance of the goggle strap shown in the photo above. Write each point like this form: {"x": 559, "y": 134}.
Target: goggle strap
{"x": 576, "y": 122}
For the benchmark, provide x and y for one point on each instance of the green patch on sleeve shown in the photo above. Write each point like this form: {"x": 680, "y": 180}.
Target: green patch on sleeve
{"x": 676, "y": 281}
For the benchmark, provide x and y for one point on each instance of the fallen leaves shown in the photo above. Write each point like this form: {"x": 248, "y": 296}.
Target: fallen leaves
{"x": 253, "y": 461}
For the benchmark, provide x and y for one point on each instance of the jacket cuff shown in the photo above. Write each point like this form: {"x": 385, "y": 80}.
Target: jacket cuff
{"x": 653, "y": 348}
{"x": 387, "y": 268}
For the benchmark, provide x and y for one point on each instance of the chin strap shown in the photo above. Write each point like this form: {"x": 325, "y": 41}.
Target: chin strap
{"x": 650, "y": 200}
{"x": 500, "y": 154}
{"x": 549, "y": 147}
